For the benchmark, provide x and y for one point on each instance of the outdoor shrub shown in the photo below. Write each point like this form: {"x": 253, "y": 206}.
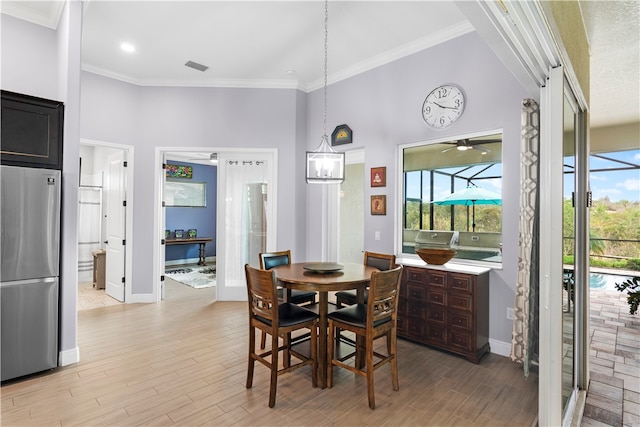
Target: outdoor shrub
{"x": 632, "y": 286}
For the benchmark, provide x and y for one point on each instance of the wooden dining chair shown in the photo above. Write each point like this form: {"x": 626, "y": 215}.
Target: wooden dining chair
{"x": 375, "y": 319}
{"x": 277, "y": 319}
{"x": 382, "y": 262}
{"x": 269, "y": 260}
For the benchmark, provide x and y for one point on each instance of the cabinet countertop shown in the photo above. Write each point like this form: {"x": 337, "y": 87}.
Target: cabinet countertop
{"x": 450, "y": 266}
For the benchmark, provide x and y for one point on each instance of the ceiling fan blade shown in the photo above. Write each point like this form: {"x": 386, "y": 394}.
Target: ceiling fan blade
{"x": 448, "y": 149}
{"x": 480, "y": 148}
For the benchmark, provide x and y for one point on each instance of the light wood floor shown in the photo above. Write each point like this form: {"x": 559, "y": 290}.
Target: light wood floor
{"x": 183, "y": 362}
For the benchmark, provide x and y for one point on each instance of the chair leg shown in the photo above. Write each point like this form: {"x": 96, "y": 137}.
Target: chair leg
{"x": 394, "y": 361}
{"x": 252, "y": 360}
{"x": 274, "y": 371}
{"x": 369, "y": 368}
{"x": 330, "y": 351}
{"x": 263, "y": 340}
{"x": 314, "y": 355}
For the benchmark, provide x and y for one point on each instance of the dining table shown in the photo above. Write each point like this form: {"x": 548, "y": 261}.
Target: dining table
{"x": 324, "y": 277}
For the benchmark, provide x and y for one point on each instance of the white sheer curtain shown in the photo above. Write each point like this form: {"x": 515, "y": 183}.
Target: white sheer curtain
{"x": 89, "y": 229}
{"x": 245, "y": 217}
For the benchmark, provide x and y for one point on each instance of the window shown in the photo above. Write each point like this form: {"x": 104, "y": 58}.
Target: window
{"x": 190, "y": 194}
{"x": 438, "y": 179}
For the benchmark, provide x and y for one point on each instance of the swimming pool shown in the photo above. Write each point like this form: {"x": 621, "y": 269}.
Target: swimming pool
{"x": 605, "y": 282}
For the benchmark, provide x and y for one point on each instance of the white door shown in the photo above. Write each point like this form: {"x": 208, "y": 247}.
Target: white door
{"x": 115, "y": 224}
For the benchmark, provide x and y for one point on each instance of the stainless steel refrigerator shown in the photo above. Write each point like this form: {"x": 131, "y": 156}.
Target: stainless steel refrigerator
{"x": 29, "y": 274}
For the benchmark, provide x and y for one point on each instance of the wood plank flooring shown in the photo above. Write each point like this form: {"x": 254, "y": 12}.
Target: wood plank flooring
{"x": 183, "y": 362}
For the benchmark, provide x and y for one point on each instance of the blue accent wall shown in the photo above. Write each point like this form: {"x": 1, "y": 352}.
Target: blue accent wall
{"x": 202, "y": 219}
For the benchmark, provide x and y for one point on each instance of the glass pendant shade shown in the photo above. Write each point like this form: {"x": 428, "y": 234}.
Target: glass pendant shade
{"x": 325, "y": 165}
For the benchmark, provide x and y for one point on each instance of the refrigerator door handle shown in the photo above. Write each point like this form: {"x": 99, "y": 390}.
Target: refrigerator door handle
{"x": 28, "y": 281}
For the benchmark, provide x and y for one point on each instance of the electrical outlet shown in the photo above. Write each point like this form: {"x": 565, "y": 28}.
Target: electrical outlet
{"x": 509, "y": 313}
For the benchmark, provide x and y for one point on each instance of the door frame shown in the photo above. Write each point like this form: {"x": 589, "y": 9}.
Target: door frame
{"x": 129, "y": 173}
{"x": 159, "y": 216}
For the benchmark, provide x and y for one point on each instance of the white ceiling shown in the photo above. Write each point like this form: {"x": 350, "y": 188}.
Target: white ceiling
{"x": 257, "y": 43}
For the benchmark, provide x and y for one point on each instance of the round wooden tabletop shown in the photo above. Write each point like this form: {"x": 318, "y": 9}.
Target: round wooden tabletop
{"x": 296, "y": 276}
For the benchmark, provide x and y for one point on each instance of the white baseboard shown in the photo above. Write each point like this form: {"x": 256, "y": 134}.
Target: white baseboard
{"x": 500, "y": 347}
{"x": 141, "y": 298}
{"x": 69, "y": 357}
{"x": 210, "y": 259}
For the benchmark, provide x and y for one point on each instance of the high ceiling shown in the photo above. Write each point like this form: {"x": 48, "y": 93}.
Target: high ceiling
{"x": 281, "y": 43}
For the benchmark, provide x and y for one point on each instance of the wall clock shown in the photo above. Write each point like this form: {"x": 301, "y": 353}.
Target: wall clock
{"x": 443, "y": 106}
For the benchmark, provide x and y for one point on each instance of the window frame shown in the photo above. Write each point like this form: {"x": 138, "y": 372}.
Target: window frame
{"x": 400, "y": 212}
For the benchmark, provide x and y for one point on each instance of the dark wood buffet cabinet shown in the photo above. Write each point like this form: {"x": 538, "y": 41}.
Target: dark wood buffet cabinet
{"x": 446, "y": 309}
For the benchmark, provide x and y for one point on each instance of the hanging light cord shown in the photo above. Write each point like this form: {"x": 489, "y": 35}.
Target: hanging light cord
{"x": 326, "y": 42}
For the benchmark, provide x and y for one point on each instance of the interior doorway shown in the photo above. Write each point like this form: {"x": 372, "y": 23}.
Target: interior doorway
{"x": 105, "y": 169}
{"x": 239, "y": 173}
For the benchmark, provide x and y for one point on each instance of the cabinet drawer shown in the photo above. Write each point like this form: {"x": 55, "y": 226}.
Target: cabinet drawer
{"x": 461, "y": 319}
{"x": 416, "y": 292}
{"x": 437, "y": 278}
{"x": 435, "y": 296}
{"x": 402, "y": 307}
{"x": 415, "y": 309}
{"x": 414, "y": 328}
{"x": 461, "y": 282}
{"x": 437, "y": 315}
{"x": 416, "y": 275}
{"x": 461, "y": 301}
{"x": 401, "y": 326}
{"x": 436, "y": 334}
{"x": 460, "y": 340}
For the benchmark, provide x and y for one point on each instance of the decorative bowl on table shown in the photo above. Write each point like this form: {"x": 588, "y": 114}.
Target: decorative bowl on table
{"x": 435, "y": 256}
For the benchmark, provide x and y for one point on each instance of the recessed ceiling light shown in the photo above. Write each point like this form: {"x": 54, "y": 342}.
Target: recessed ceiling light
{"x": 128, "y": 47}
{"x": 291, "y": 72}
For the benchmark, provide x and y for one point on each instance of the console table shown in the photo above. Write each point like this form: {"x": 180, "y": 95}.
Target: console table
{"x": 202, "y": 241}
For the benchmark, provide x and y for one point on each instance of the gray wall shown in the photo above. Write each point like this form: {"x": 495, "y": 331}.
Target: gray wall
{"x": 150, "y": 117}
{"x": 383, "y": 108}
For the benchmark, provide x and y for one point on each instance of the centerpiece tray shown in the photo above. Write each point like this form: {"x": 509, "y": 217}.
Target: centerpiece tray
{"x": 323, "y": 267}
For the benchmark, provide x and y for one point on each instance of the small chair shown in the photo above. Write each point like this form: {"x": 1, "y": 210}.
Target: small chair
{"x": 277, "y": 319}
{"x": 375, "y": 319}
{"x": 382, "y": 262}
{"x": 269, "y": 260}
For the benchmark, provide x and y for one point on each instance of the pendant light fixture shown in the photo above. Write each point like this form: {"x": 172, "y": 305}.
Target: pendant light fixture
{"x": 325, "y": 165}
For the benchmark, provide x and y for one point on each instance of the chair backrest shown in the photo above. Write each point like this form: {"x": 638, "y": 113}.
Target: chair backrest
{"x": 268, "y": 260}
{"x": 382, "y": 262}
{"x": 262, "y": 294}
{"x": 384, "y": 290}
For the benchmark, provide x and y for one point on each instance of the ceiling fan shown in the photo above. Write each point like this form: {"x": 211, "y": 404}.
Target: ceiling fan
{"x": 466, "y": 144}
{"x": 212, "y": 157}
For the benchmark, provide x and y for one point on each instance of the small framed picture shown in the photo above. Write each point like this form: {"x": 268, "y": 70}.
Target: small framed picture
{"x": 179, "y": 234}
{"x": 341, "y": 135}
{"x": 378, "y": 205}
{"x": 379, "y": 177}
{"x": 193, "y": 233}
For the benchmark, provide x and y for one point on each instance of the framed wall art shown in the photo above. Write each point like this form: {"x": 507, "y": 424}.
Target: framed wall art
{"x": 342, "y": 134}
{"x": 179, "y": 171}
{"x": 378, "y": 205}
{"x": 379, "y": 177}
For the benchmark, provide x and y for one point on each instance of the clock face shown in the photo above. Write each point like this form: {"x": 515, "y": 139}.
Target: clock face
{"x": 443, "y": 106}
